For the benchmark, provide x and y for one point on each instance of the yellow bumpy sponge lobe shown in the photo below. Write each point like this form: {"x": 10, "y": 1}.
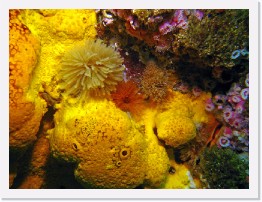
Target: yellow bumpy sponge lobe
{"x": 25, "y": 114}
{"x": 58, "y": 31}
{"x": 175, "y": 130}
{"x": 104, "y": 142}
{"x": 157, "y": 160}
{"x": 176, "y": 122}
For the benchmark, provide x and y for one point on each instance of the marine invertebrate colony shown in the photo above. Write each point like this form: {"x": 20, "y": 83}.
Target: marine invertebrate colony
{"x": 231, "y": 109}
{"x": 154, "y": 83}
{"x": 91, "y": 69}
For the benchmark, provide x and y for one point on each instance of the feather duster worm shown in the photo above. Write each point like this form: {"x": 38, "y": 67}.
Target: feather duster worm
{"x": 127, "y": 98}
{"x": 91, "y": 69}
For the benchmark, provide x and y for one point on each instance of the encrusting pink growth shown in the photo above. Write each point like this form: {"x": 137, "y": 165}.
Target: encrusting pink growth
{"x": 228, "y": 132}
{"x": 160, "y": 37}
{"x": 166, "y": 27}
{"x": 198, "y": 14}
{"x": 178, "y": 20}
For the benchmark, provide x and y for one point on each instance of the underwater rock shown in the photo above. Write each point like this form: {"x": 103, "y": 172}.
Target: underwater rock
{"x": 35, "y": 174}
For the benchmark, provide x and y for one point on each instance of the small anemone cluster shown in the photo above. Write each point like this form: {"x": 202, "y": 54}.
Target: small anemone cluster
{"x": 184, "y": 87}
{"x": 232, "y": 110}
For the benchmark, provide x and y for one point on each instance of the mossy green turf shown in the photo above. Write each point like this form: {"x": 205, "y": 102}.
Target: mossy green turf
{"x": 213, "y": 39}
{"x": 223, "y": 169}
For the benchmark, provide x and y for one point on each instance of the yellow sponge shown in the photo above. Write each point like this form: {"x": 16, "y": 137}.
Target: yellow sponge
{"x": 179, "y": 177}
{"x": 108, "y": 148}
{"x": 174, "y": 129}
{"x": 25, "y": 114}
{"x": 157, "y": 160}
{"x": 177, "y": 121}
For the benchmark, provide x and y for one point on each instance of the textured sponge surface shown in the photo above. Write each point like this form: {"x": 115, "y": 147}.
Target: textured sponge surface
{"x": 174, "y": 129}
{"x": 106, "y": 145}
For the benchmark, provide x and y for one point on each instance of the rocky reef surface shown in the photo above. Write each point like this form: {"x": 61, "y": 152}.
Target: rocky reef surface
{"x": 129, "y": 99}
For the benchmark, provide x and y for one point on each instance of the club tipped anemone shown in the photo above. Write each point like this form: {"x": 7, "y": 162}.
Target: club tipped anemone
{"x": 228, "y": 114}
{"x": 223, "y": 141}
{"x": 196, "y": 91}
{"x": 236, "y": 98}
{"x": 237, "y": 123}
{"x": 247, "y": 80}
{"x": 244, "y": 93}
{"x": 209, "y": 105}
{"x": 219, "y": 99}
{"x": 91, "y": 69}
{"x": 240, "y": 107}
